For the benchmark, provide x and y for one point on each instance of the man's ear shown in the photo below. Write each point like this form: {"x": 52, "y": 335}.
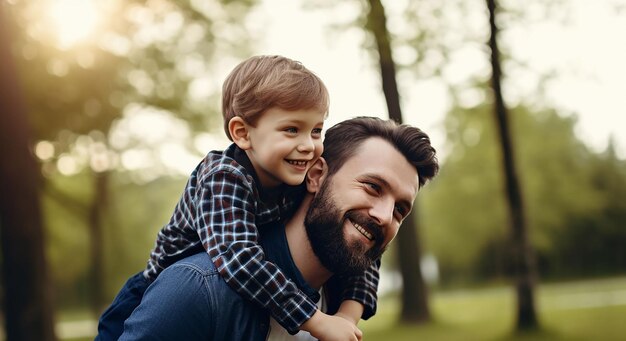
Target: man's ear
{"x": 316, "y": 175}
{"x": 238, "y": 130}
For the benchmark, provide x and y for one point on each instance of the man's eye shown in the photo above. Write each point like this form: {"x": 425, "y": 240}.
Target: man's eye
{"x": 401, "y": 211}
{"x": 374, "y": 187}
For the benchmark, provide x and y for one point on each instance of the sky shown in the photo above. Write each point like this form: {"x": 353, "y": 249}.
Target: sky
{"x": 585, "y": 48}
{"x": 582, "y": 43}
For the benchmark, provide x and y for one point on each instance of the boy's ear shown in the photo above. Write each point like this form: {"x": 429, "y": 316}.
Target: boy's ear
{"x": 316, "y": 175}
{"x": 238, "y": 130}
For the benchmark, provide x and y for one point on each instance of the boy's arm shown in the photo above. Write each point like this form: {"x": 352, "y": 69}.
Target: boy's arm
{"x": 351, "y": 311}
{"x": 226, "y": 227}
{"x": 360, "y": 289}
{"x": 329, "y": 328}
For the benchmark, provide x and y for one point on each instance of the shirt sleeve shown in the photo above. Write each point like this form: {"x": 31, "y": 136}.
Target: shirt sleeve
{"x": 226, "y": 227}
{"x": 362, "y": 288}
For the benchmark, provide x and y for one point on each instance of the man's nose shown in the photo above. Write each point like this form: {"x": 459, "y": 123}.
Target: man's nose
{"x": 382, "y": 211}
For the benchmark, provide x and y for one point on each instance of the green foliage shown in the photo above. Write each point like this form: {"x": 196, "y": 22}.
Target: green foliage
{"x": 145, "y": 53}
{"x": 571, "y": 194}
{"x": 463, "y": 210}
{"x": 67, "y": 237}
{"x": 136, "y": 214}
{"x": 148, "y": 55}
{"x": 593, "y": 243}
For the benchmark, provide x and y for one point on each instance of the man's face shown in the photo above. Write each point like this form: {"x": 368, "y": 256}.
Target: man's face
{"x": 358, "y": 211}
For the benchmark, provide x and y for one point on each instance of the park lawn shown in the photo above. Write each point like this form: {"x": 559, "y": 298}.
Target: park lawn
{"x": 589, "y": 310}
{"x": 579, "y": 311}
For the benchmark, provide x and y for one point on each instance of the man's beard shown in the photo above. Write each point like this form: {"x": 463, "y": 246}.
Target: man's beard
{"x": 325, "y": 230}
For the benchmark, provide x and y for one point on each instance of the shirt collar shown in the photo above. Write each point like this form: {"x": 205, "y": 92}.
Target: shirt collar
{"x": 242, "y": 158}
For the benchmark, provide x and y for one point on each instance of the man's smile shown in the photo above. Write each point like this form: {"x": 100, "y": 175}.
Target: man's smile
{"x": 362, "y": 230}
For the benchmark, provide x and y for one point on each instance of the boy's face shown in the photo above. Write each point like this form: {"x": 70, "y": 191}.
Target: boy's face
{"x": 285, "y": 144}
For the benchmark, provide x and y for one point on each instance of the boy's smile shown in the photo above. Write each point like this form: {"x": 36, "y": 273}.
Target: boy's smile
{"x": 284, "y": 144}
{"x": 298, "y": 164}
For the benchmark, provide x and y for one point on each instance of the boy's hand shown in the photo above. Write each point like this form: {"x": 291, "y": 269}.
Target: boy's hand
{"x": 332, "y": 328}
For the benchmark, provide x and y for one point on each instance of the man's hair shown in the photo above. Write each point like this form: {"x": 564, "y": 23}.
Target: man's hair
{"x": 343, "y": 139}
{"x": 262, "y": 82}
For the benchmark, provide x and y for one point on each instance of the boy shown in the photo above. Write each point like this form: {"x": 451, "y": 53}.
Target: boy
{"x": 274, "y": 109}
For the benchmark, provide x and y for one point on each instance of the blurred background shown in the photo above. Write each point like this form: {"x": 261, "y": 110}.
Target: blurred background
{"x": 107, "y": 106}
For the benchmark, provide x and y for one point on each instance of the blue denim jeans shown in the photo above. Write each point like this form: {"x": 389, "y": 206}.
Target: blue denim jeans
{"x": 111, "y": 323}
{"x": 190, "y": 301}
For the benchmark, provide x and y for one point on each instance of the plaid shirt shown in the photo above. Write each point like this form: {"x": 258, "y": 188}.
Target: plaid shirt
{"x": 219, "y": 211}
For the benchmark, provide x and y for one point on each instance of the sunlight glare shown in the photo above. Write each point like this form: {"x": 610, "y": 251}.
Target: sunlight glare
{"x": 74, "y": 20}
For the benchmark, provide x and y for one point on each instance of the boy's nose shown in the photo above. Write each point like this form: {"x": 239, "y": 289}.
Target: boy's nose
{"x": 306, "y": 145}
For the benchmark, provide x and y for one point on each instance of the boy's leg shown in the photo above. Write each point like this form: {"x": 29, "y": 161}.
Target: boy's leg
{"x": 111, "y": 323}
{"x": 190, "y": 301}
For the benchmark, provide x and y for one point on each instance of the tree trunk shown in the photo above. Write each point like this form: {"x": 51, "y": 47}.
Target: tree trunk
{"x": 522, "y": 255}
{"x": 415, "y": 307}
{"x": 415, "y": 296}
{"x": 98, "y": 207}
{"x": 27, "y": 296}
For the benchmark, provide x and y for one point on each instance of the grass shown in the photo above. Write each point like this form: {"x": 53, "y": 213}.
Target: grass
{"x": 578, "y": 311}
{"x": 590, "y": 310}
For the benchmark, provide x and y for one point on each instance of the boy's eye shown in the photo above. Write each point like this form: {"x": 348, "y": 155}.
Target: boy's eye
{"x": 291, "y": 130}
{"x": 316, "y": 132}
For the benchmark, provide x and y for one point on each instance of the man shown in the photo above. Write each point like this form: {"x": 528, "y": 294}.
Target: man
{"x": 357, "y": 196}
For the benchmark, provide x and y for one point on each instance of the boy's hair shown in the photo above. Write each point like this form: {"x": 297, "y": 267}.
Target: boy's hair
{"x": 343, "y": 139}
{"x": 262, "y": 82}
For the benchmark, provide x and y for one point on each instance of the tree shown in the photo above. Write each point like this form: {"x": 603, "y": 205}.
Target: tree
{"x": 414, "y": 292}
{"x": 521, "y": 253}
{"x": 124, "y": 64}
{"x": 574, "y": 215}
{"x": 27, "y": 295}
